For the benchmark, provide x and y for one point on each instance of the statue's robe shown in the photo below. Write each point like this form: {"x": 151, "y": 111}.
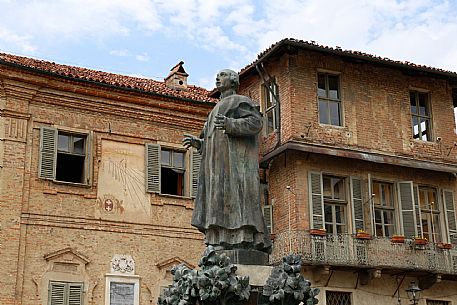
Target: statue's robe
{"x": 227, "y": 206}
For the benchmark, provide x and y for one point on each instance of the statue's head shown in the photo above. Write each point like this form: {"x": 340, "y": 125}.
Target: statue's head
{"x": 227, "y": 79}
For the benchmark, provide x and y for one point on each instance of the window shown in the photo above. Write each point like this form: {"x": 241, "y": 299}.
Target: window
{"x": 430, "y": 214}
{"x": 338, "y": 298}
{"x": 172, "y": 172}
{"x": 328, "y": 92}
{"x": 65, "y": 293}
{"x": 420, "y": 115}
{"x": 64, "y": 156}
{"x": 335, "y": 203}
{"x": 122, "y": 289}
{"x": 435, "y": 302}
{"x": 384, "y": 209}
{"x": 270, "y": 106}
{"x": 167, "y": 170}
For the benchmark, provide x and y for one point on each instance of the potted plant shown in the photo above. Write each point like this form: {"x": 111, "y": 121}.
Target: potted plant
{"x": 397, "y": 239}
{"x": 446, "y": 246}
{"x": 318, "y": 232}
{"x": 420, "y": 241}
{"x": 361, "y": 234}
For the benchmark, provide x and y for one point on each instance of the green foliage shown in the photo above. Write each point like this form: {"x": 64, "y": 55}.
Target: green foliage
{"x": 215, "y": 283}
{"x": 286, "y": 286}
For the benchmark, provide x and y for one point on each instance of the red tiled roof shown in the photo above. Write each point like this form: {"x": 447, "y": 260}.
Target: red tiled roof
{"x": 121, "y": 81}
{"x": 312, "y": 45}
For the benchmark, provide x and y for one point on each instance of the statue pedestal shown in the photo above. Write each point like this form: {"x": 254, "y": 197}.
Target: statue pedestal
{"x": 246, "y": 257}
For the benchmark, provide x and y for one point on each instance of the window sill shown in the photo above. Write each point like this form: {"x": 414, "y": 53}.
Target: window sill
{"x": 331, "y": 126}
{"x": 84, "y": 185}
{"x": 175, "y": 196}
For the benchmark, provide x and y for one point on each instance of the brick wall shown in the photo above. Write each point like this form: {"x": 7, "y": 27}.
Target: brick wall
{"x": 40, "y": 216}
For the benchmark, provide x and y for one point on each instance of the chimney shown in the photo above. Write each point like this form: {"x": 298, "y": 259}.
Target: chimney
{"x": 177, "y": 79}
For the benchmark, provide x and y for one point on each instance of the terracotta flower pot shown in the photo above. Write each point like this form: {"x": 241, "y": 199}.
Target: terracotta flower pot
{"x": 362, "y": 235}
{"x": 318, "y": 232}
{"x": 444, "y": 246}
{"x": 397, "y": 239}
{"x": 420, "y": 241}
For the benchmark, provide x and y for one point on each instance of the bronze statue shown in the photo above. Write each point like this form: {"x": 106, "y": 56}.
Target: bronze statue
{"x": 227, "y": 206}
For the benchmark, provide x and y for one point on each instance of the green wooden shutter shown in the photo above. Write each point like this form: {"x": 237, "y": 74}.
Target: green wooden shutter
{"x": 449, "y": 209}
{"x": 196, "y": 159}
{"x": 316, "y": 201}
{"x": 357, "y": 204}
{"x": 56, "y": 293}
{"x": 48, "y": 153}
{"x": 75, "y": 294}
{"x": 268, "y": 217}
{"x": 153, "y": 168}
{"x": 417, "y": 210}
{"x": 406, "y": 200}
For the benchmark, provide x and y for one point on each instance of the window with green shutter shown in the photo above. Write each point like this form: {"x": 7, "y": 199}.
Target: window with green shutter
{"x": 65, "y": 293}
{"x": 64, "y": 156}
{"x": 167, "y": 170}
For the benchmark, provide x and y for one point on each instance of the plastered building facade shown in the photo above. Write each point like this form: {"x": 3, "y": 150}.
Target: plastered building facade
{"x": 96, "y": 187}
{"x": 359, "y": 166}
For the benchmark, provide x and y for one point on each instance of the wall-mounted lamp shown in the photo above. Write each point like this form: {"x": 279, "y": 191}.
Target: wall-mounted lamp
{"x": 413, "y": 292}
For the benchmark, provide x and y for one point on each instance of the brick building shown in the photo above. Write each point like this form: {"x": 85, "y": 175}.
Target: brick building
{"x": 360, "y": 170}
{"x": 359, "y": 160}
{"x": 96, "y": 187}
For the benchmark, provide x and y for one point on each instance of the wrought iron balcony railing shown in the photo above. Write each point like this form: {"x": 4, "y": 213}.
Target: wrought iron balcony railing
{"x": 379, "y": 253}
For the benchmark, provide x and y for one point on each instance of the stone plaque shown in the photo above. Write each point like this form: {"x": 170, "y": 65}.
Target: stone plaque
{"x": 122, "y": 293}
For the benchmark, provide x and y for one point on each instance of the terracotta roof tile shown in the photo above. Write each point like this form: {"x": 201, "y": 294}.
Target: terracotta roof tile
{"x": 312, "y": 45}
{"x": 122, "y": 81}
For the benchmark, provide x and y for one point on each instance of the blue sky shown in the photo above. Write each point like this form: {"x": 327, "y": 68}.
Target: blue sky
{"x": 148, "y": 37}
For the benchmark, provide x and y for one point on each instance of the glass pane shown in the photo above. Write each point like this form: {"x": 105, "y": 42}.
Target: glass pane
{"x": 268, "y": 99}
{"x": 432, "y": 200}
{"x": 424, "y": 126}
{"x": 78, "y": 145}
{"x": 379, "y": 230}
{"x": 270, "y": 121}
{"x": 321, "y": 85}
{"x": 376, "y": 192}
{"x": 412, "y": 100}
{"x": 63, "y": 143}
{"x": 415, "y": 123}
{"x": 333, "y": 87}
{"x": 324, "y": 116}
{"x": 388, "y": 217}
{"x": 327, "y": 186}
{"x": 423, "y": 199}
{"x": 423, "y": 104}
{"x": 334, "y": 113}
{"x": 339, "y": 214}
{"x": 389, "y": 230}
{"x": 341, "y": 229}
{"x": 166, "y": 156}
{"x": 377, "y": 216}
{"x": 328, "y": 213}
{"x": 178, "y": 159}
{"x": 338, "y": 188}
{"x": 329, "y": 228}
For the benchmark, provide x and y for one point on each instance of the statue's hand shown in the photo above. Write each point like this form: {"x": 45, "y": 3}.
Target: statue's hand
{"x": 220, "y": 121}
{"x": 191, "y": 141}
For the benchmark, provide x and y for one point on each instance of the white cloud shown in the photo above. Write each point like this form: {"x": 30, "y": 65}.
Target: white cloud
{"x": 120, "y": 53}
{"x": 22, "y": 43}
{"x": 142, "y": 57}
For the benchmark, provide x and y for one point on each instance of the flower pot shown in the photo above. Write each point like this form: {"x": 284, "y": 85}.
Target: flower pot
{"x": 318, "y": 232}
{"x": 420, "y": 241}
{"x": 444, "y": 246}
{"x": 362, "y": 235}
{"x": 397, "y": 239}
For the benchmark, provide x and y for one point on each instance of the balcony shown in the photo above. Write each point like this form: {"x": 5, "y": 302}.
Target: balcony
{"x": 344, "y": 250}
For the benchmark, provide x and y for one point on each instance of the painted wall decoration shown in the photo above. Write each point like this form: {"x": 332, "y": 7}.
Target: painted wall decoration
{"x": 121, "y": 182}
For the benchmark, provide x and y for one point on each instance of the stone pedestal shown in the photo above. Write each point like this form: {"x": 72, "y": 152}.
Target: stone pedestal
{"x": 246, "y": 257}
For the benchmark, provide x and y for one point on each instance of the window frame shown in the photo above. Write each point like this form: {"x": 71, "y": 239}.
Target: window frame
{"x": 425, "y": 210}
{"x": 270, "y": 93}
{"x": 333, "y": 203}
{"x": 184, "y": 168}
{"x": 349, "y": 293}
{"x": 123, "y": 279}
{"x": 392, "y": 209}
{"x": 50, "y": 154}
{"x": 418, "y": 116}
{"x": 327, "y": 99}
